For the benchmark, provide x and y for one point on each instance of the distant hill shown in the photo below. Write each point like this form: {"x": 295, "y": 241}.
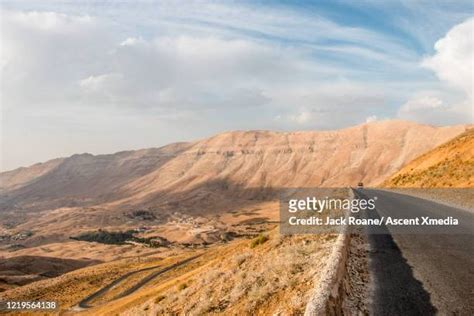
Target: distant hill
{"x": 238, "y": 164}
{"x": 448, "y": 165}
{"x": 82, "y": 179}
{"x": 208, "y": 178}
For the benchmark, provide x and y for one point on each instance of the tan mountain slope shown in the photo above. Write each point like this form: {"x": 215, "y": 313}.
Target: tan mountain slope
{"x": 16, "y": 178}
{"x": 245, "y": 163}
{"x": 22, "y": 270}
{"x": 234, "y": 164}
{"x": 449, "y": 165}
{"x": 80, "y": 179}
{"x": 192, "y": 193}
{"x": 241, "y": 277}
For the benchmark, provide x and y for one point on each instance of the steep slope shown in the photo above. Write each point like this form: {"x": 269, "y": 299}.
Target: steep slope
{"x": 449, "y": 165}
{"x": 233, "y": 279}
{"x": 237, "y": 164}
{"x": 245, "y": 163}
{"x": 19, "y": 177}
{"x": 80, "y": 179}
{"x": 22, "y": 270}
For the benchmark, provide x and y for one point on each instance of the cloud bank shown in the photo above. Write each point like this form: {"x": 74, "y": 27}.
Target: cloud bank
{"x": 108, "y": 79}
{"x": 452, "y": 63}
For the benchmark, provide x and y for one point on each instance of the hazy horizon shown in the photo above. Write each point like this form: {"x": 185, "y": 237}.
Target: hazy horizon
{"x": 215, "y": 134}
{"x": 81, "y": 77}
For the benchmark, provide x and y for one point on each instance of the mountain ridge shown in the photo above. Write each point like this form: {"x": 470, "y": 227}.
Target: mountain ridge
{"x": 247, "y": 160}
{"x": 218, "y": 134}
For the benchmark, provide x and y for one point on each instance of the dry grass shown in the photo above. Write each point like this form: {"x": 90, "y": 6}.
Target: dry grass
{"x": 449, "y": 165}
{"x": 274, "y": 277}
{"x": 447, "y": 173}
{"x": 70, "y": 288}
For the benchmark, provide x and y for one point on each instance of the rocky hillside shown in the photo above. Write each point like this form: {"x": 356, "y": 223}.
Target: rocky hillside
{"x": 449, "y": 165}
{"x": 81, "y": 179}
{"x": 240, "y": 163}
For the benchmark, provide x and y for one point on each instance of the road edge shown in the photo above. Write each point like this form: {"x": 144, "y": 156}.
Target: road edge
{"x": 327, "y": 296}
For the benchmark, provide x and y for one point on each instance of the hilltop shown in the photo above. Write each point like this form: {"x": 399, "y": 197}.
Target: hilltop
{"x": 448, "y": 165}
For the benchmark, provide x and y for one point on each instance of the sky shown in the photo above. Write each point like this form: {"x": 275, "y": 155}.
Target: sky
{"x": 107, "y": 76}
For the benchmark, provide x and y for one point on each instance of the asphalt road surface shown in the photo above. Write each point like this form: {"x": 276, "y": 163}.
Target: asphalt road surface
{"x": 85, "y": 303}
{"x": 421, "y": 272}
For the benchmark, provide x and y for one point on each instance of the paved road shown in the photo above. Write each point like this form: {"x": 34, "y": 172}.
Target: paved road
{"x": 424, "y": 272}
{"x": 85, "y": 303}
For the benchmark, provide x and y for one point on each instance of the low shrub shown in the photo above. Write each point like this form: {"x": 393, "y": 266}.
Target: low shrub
{"x": 159, "y": 299}
{"x": 105, "y": 237}
{"x": 260, "y": 240}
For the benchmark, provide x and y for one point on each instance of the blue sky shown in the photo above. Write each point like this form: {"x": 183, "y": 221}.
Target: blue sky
{"x": 107, "y": 76}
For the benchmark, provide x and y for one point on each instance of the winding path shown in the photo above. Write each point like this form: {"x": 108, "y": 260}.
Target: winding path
{"x": 85, "y": 303}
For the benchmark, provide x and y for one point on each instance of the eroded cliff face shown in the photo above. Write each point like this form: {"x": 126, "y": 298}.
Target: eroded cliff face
{"x": 261, "y": 160}
{"x": 240, "y": 163}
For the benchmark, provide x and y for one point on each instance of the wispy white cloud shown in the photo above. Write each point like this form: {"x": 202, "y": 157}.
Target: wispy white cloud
{"x": 431, "y": 109}
{"x": 164, "y": 71}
